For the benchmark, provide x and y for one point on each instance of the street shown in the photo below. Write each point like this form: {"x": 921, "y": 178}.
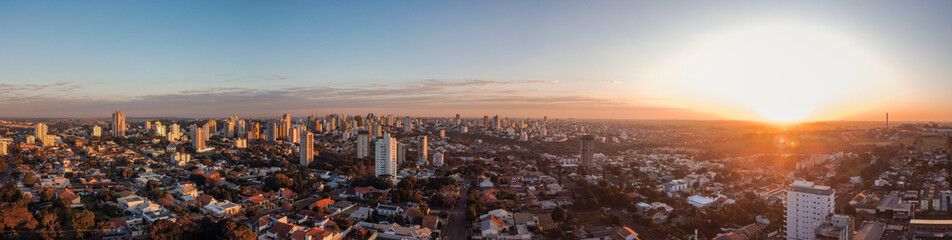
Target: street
{"x": 457, "y": 228}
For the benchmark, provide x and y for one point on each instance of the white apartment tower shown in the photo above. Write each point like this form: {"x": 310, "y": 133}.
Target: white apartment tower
{"x": 97, "y": 131}
{"x": 307, "y": 147}
{"x": 386, "y": 156}
{"x": 808, "y": 206}
{"x": 422, "y": 150}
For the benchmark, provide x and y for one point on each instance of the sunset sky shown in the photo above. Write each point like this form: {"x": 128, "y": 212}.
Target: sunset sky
{"x": 743, "y": 60}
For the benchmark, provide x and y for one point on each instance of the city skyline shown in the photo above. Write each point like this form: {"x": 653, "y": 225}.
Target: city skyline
{"x": 617, "y": 60}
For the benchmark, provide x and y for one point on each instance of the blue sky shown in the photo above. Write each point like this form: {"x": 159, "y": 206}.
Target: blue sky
{"x": 434, "y": 58}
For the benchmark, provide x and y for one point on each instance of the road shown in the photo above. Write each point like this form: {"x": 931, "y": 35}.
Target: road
{"x": 457, "y": 228}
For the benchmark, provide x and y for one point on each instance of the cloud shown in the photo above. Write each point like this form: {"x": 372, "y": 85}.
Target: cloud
{"x": 430, "y": 96}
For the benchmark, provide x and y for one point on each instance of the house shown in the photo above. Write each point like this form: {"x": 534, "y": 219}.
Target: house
{"x": 413, "y": 214}
{"x": 394, "y": 231}
{"x": 624, "y": 233}
{"x": 486, "y": 183}
{"x": 222, "y": 209}
{"x": 285, "y": 194}
{"x": 361, "y": 214}
{"x": 431, "y": 221}
{"x": 387, "y": 210}
{"x": 256, "y": 200}
{"x": 74, "y": 200}
{"x": 358, "y": 192}
{"x": 323, "y": 203}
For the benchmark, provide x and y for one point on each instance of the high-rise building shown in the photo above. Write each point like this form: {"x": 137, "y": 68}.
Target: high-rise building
{"x": 495, "y": 122}
{"x": 457, "y": 119}
{"x": 386, "y": 156}
{"x": 422, "y": 145}
{"x": 808, "y": 206}
{"x": 486, "y": 121}
{"x": 39, "y": 131}
{"x": 401, "y": 153}
{"x": 118, "y": 124}
{"x": 5, "y": 146}
{"x": 272, "y": 132}
{"x": 307, "y": 147}
{"x": 97, "y": 131}
{"x": 295, "y": 136}
{"x": 212, "y": 127}
{"x": 148, "y": 126}
{"x": 587, "y": 152}
{"x": 407, "y": 125}
{"x": 253, "y": 133}
{"x": 286, "y": 121}
{"x": 198, "y": 137}
{"x": 174, "y": 132}
{"x": 437, "y": 159}
{"x": 363, "y": 144}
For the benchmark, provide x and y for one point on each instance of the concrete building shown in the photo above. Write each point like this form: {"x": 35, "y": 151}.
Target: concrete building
{"x": 386, "y": 156}
{"x": 119, "y": 124}
{"x": 422, "y": 145}
{"x": 307, "y": 147}
{"x": 437, "y": 159}
{"x": 808, "y": 207}
{"x": 363, "y": 144}
{"x": 587, "y": 152}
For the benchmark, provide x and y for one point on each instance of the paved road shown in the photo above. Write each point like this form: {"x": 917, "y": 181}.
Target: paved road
{"x": 457, "y": 228}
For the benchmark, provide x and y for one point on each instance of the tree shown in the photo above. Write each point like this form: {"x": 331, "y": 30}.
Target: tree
{"x": 82, "y": 221}
{"x": 49, "y": 225}
{"x": 471, "y": 213}
{"x": 230, "y": 230}
{"x": 165, "y": 230}
{"x": 558, "y": 214}
{"x": 28, "y": 180}
{"x": 17, "y": 218}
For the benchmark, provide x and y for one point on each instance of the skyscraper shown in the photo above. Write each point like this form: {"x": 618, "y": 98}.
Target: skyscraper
{"x": 174, "y": 132}
{"x": 307, "y": 147}
{"x": 386, "y": 156}
{"x": 97, "y": 131}
{"x": 587, "y": 152}
{"x": 198, "y": 137}
{"x": 5, "y": 146}
{"x": 437, "y": 159}
{"x": 119, "y": 124}
{"x": 808, "y": 206}
{"x": 363, "y": 144}
{"x": 39, "y": 131}
{"x": 286, "y": 121}
{"x": 401, "y": 153}
{"x": 422, "y": 145}
{"x": 407, "y": 125}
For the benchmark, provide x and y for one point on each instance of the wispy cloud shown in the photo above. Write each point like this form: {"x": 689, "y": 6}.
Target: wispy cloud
{"x": 430, "y": 95}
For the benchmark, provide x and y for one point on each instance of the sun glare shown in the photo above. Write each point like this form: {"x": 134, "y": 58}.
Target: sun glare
{"x": 783, "y": 72}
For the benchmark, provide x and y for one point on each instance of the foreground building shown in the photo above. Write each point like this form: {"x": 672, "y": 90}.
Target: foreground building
{"x": 808, "y": 206}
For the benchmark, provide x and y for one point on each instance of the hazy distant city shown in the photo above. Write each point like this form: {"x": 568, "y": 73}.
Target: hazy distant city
{"x": 489, "y": 120}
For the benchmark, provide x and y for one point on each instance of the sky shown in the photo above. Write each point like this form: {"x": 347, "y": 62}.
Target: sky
{"x": 706, "y": 60}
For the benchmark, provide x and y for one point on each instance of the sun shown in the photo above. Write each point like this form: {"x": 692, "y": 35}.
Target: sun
{"x": 781, "y": 71}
